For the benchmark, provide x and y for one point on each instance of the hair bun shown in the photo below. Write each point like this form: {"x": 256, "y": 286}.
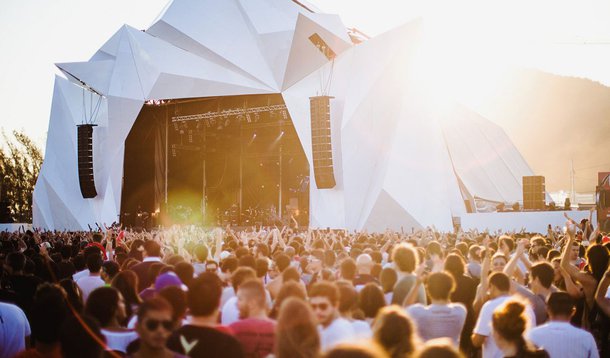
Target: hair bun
{"x": 514, "y": 309}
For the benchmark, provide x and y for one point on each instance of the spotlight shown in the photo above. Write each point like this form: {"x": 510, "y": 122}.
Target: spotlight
{"x": 248, "y": 118}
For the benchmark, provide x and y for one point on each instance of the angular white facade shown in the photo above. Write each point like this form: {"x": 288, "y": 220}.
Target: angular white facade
{"x": 399, "y": 162}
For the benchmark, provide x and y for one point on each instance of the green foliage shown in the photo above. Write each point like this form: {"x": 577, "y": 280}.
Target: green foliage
{"x": 20, "y": 162}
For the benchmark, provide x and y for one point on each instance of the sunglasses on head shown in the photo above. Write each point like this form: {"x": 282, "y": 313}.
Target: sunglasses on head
{"x": 153, "y": 324}
{"x": 321, "y": 306}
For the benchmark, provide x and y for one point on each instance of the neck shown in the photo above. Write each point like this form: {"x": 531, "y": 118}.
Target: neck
{"x": 560, "y": 318}
{"x": 148, "y": 351}
{"x": 205, "y": 321}
{"x": 114, "y": 324}
{"x": 439, "y": 302}
{"x": 258, "y": 314}
{"x": 94, "y": 273}
{"x": 510, "y": 349}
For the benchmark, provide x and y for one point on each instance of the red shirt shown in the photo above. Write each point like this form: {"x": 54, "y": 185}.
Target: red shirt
{"x": 257, "y": 336}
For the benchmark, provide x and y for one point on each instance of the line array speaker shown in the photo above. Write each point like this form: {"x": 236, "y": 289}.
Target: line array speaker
{"x": 533, "y": 193}
{"x": 321, "y": 142}
{"x": 85, "y": 160}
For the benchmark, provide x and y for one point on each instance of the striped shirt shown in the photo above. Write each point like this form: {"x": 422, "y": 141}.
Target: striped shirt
{"x": 561, "y": 339}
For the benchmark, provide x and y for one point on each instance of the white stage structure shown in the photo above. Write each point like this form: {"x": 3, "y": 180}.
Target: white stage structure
{"x": 398, "y": 161}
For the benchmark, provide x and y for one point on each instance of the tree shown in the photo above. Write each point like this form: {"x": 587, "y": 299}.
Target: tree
{"x": 20, "y": 162}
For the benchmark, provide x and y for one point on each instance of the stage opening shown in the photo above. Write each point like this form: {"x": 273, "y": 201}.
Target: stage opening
{"x": 215, "y": 161}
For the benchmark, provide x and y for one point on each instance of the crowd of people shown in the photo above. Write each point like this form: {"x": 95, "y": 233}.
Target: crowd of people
{"x": 271, "y": 292}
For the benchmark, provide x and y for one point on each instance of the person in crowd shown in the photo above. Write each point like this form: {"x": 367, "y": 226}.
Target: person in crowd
{"x": 66, "y": 266}
{"x": 509, "y": 324}
{"x": 154, "y": 270}
{"x": 254, "y": 329}
{"x": 394, "y": 330}
{"x": 108, "y": 271}
{"x": 438, "y": 348}
{"x": 107, "y": 306}
{"x": 499, "y": 293}
{"x": 296, "y": 331}
{"x": 324, "y": 301}
{"x": 356, "y": 350}
{"x": 200, "y": 256}
{"x": 370, "y": 301}
{"x": 81, "y": 337}
{"x": 73, "y": 295}
{"x": 48, "y": 313}
{"x": 22, "y": 284}
{"x": 289, "y": 289}
{"x": 93, "y": 280}
{"x": 464, "y": 293}
{"x": 126, "y": 282}
{"x": 348, "y": 306}
{"x": 364, "y": 266}
{"x": 177, "y": 298}
{"x": 406, "y": 260}
{"x": 388, "y": 278}
{"x": 151, "y": 255}
{"x": 15, "y": 330}
{"x": 441, "y": 318}
{"x": 155, "y": 325}
{"x": 474, "y": 262}
{"x": 230, "y": 311}
{"x": 202, "y": 337}
{"x": 558, "y": 337}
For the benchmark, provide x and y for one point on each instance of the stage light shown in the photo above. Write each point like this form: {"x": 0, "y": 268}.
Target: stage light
{"x": 248, "y": 118}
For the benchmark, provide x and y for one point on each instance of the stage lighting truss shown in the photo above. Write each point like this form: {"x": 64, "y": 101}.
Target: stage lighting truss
{"x": 239, "y": 113}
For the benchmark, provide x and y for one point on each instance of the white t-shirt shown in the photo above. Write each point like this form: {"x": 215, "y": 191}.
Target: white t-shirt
{"x": 118, "y": 341}
{"x": 230, "y": 312}
{"x": 89, "y": 283}
{"x": 14, "y": 327}
{"x": 435, "y": 321}
{"x": 561, "y": 339}
{"x": 483, "y": 326}
{"x": 227, "y": 293}
{"x": 80, "y": 274}
{"x": 339, "y": 331}
{"x": 362, "y": 329}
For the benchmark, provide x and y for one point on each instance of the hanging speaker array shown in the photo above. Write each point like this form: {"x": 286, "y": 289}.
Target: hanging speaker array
{"x": 321, "y": 143}
{"x": 85, "y": 160}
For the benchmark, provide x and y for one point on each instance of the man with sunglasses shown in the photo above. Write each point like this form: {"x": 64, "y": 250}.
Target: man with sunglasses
{"x": 154, "y": 327}
{"x": 324, "y": 301}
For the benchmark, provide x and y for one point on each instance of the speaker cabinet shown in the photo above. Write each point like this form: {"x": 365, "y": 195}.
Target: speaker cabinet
{"x": 321, "y": 142}
{"x": 85, "y": 160}
{"x": 533, "y": 193}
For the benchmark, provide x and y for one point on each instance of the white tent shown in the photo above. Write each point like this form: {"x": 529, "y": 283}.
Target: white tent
{"x": 398, "y": 161}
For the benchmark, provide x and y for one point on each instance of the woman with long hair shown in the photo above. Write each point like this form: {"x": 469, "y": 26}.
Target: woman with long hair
{"x": 296, "y": 331}
{"x": 126, "y": 282}
{"x": 395, "y": 331}
{"x": 107, "y": 306}
{"x": 509, "y": 323}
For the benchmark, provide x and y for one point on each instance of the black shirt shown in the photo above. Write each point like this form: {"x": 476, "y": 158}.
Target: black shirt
{"x": 204, "y": 342}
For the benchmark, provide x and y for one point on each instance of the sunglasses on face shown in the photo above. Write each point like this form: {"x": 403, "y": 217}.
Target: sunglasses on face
{"x": 321, "y": 306}
{"x": 153, "y": 324}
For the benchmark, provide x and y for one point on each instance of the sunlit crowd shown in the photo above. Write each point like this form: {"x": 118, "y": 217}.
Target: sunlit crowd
{"x": 290, "y": 292}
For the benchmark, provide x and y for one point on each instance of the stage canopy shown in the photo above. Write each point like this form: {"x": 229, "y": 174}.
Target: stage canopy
{"x": 399, "y": 160}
